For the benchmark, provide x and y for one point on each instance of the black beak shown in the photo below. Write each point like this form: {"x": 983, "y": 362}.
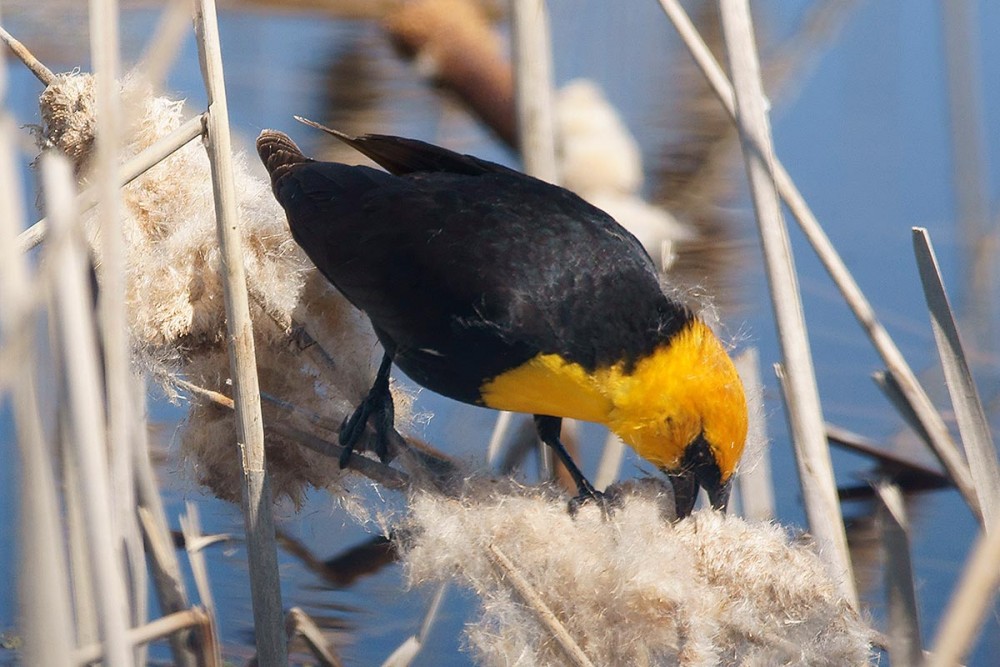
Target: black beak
{"x": 698, "y": 469}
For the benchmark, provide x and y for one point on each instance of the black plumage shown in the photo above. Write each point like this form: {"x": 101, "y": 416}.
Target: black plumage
{"x": 468, "y": 269}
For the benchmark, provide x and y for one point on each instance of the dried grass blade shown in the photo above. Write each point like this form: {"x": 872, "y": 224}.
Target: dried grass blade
{"x": 972, "y": 424}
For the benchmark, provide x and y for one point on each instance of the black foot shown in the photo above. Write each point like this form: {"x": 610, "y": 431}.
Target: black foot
{"x": 377, "y": 408}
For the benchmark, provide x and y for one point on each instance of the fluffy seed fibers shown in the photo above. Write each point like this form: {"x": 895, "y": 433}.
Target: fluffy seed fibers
{"x": 175, "y": 293}
{"x": 634, "y": 589}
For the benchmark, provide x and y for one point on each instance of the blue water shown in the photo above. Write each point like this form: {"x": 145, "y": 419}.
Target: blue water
{"x": 864, "y": 131}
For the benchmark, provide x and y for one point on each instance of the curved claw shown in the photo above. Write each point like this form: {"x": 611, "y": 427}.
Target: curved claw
{"x": 378, "y": 408}
{"x": 589, "y": 495}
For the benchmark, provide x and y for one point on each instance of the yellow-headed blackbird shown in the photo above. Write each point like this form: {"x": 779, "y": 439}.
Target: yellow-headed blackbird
{"x": 498, "y": 289}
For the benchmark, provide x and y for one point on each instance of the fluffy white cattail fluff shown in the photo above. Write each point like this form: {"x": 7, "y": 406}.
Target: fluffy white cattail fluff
{"x": 175, "y": 294}
{"x": 634, "y": 588}
{"x": 600, "y": 161}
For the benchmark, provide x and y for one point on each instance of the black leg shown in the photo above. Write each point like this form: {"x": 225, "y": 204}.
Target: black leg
{"x": 378, "y": 408}
{"x": 685, "y": 491}
{"x": 548, "y": 430}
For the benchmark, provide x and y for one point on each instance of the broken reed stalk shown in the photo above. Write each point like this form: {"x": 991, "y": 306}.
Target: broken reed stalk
{"x": 969, "y": 605}
{"x": 509, "y": 573}
{"x": 819, "y": 488}
{"x": 193, "y": 543}
{"x": 256, "y": 493}
{"x": 969, "y": 413}
{"x": 132, "y": 169}
{"x": 86, "y": 438}
{"x": 939, "y": 439}
{"x": 149, "y": 632}
{"x": 901, "y": 596}
{"x": 41, "y": 72}
{"x": 299, "y": 624}
{"x": 114, "y": 325}
{"x": 43, "y": 588}
{"x": 405, "y": 653}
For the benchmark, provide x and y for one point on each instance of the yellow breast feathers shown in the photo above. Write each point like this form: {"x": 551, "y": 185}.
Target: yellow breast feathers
{"x": 687, "y": 387}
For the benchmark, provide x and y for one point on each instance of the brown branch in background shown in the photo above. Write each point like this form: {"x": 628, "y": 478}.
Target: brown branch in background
{"x": 349, "y": 565}
{"x": 452, "y": 43}
{"x": 908, "y": 474}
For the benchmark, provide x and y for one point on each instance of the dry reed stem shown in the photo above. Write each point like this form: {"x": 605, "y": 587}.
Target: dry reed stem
{"x": 257, "y": 499}
{"x": 149, "y": 632}
{"x": 114, "y": 330}
{"x": 970, "y": 161}
{"x": 972, "y": 423}
{"x": 901, "y": 596}
{"x": 166, "y": 578}
{"x": 163, "y": 47}
{"x": 970, "y": 603}
{"x": 819, "y": 488}
{"x": 410, "y": 648}
{"x": 298, "y": 623}
{"x": 132, "y": 169}
{"x": 191, "y": 529}
{"x": 754, "y": 478}
{"x": 163, "y": 563}
{"x": 500, "y": 430}
{"x": 43, "y": 589}
{"x": 532, "y": 56}
{"x": 610, "y": 464}
{"x": 509, "y": 573}
{"x": 933, "y": 425}
{"x": 533, "y": 102}
{"x": 86, "y": 438}
{"x": 81, "y": 580}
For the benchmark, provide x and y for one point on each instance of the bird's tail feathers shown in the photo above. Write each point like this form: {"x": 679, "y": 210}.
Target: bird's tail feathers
{"x": 278, "y": 153}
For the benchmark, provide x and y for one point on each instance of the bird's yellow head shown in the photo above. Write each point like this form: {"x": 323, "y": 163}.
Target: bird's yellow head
{"x": 683, "y": 409}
